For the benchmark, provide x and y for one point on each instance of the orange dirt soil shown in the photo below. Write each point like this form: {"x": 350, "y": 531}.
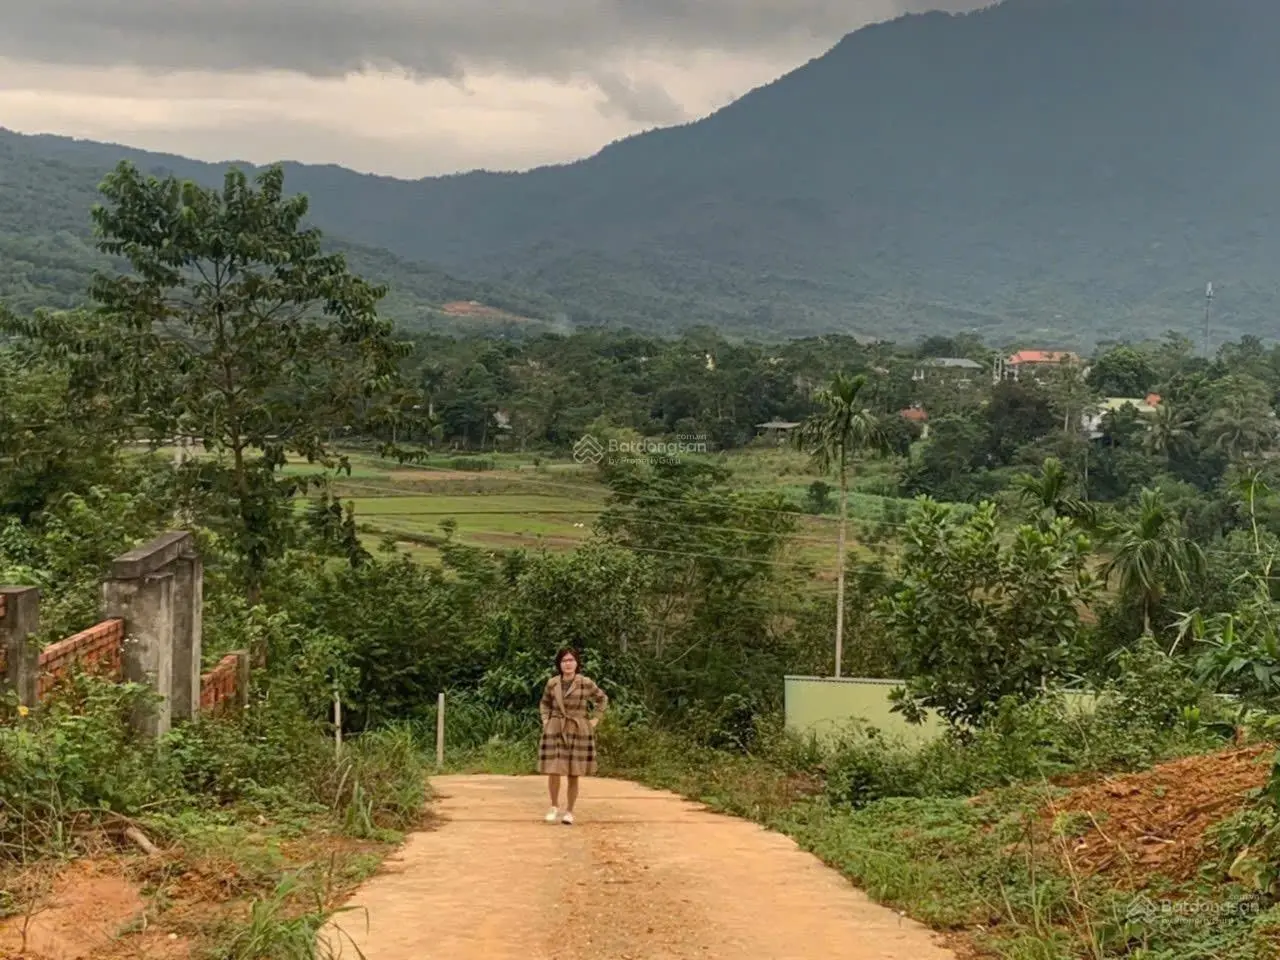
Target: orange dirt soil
{"x": 1154, "y": 822}
{"x": 109, "y": 907}
{"x": 643, "y": 875}
{"x": 82, "y": 914}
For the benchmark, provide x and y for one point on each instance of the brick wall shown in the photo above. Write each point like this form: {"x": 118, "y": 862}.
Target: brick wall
{"x": 219, "y": 687}
{"x": 97, "y": 650}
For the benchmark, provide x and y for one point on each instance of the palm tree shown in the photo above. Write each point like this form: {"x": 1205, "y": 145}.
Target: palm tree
{"x": 1049, "y": 494}
{"x": 840, "y": 431}
{"x": 1169, "y": 431}
{"x": 1150, "y": 554}
{"x": 1241, "y": 428}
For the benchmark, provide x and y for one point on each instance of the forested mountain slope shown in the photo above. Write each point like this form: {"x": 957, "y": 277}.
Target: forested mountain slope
{"x": 1048, "y": 169}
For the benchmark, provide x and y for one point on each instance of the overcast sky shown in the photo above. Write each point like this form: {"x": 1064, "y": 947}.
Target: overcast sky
{"x": 402, "y": 87}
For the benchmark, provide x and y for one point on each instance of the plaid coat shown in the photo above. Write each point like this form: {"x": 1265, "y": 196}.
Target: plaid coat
{"x": 568, "y": 745}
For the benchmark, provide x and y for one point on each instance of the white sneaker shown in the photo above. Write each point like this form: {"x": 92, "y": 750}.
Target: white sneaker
{"x": 552, "y": 814}
{"x": 567, "y": 819}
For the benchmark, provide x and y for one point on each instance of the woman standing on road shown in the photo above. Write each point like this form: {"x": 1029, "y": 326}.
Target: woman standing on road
{"x": 568, "y": 745}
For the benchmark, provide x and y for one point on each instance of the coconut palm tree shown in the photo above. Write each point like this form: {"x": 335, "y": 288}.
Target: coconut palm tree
{"x": 1169, "y": 430}
{"x": 842, "y": 430}
{"x": 1149, "y": 554}
{"x": 1049, "y": 494}
{"x": 1240, "y": 428}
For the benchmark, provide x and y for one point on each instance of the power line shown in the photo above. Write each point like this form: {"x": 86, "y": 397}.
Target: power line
{"x": 637, "y": 520}
{"x": 578, "y": 488}
{"x": 677, "y": 553}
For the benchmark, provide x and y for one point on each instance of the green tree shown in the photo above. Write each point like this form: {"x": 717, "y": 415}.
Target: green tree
{"x": 843, "y": 430}
{"x": 1122, "y": 372}
{"x": 1070, "y": 396}
{"x": 235, "y": 329}
{"x": 952, "y": 461}
{"x": 1017, "y": 414}
{"x": 51, "y": 442}
{"x": 818, "y": 498}
{"x": 1150, "y": 555}
{"x": 1242, "y": 422}
{"x": 1049, "y": 494}
{"x": 1169, "y": 431}
{"x": 976, "y": 619}
{"x": 714, "y": 591}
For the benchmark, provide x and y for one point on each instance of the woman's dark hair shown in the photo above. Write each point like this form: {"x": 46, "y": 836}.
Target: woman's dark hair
{"x": 567, "y": 652}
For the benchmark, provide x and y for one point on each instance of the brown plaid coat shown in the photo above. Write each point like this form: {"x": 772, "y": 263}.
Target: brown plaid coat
{"x": 568, "y": 745}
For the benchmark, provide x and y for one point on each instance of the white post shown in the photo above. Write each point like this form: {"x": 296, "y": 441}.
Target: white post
{"x": 337, "y": 722}
{"x": 440, "y": 731}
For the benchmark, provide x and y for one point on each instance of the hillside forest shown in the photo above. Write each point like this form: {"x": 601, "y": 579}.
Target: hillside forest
{"x": 1031, "y": 169}
{"x": 384, "y": 516}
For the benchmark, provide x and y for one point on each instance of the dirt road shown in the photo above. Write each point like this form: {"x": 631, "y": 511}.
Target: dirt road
{"x": 643, "y": 875}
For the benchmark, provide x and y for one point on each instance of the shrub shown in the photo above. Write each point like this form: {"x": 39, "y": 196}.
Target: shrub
{"x": 74, "y": 758}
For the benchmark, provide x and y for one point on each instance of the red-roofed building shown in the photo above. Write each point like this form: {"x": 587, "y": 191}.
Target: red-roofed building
{"x": 1034, "y": 361}
{"x": 1039, "y": 358}
{"x": 917, "y": 415}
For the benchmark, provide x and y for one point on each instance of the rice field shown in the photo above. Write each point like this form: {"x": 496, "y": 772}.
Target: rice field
{"x": 553, "y": 506}
{"x": 506, "y": 502}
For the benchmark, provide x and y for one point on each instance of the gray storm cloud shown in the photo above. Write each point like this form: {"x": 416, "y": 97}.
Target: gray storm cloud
{"x": 427, "y": 38}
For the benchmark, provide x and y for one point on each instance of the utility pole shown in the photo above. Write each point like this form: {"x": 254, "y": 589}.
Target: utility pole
{"x": 1208, "y": 303}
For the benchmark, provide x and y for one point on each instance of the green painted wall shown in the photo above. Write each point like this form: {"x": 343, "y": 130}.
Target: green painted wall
{"x": 825, "y": 705}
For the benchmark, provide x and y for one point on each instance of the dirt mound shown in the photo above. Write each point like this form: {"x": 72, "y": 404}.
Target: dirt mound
{"x": 81, "y": 914}
{"x": 1154, "y": 822}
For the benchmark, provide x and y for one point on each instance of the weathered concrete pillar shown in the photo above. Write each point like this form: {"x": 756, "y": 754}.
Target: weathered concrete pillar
{"x": 146, "y": 605}
{"x": 244, "y": 666}
{"x": 188, "y": 617}
{"x": 20, "y": 622}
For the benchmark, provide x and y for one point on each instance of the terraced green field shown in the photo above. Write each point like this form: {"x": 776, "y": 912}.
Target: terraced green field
{"x": 507, "y": 501}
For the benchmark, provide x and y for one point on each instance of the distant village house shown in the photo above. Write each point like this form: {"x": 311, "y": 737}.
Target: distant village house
{"x": 960, "y": 370}
{"x": 1034, "y": 363}
{"x": 1143, "y": 406}
{"x": 918, "y": 415}
{"x": 778, "y": 431}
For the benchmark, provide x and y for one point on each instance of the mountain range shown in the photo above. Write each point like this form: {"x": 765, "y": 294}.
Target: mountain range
{"x": 1056, "y": 171}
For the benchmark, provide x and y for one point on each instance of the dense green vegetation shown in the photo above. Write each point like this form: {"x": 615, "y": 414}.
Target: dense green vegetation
{"x": 1042, "y": 169}
{"x": 1131, "y": 553}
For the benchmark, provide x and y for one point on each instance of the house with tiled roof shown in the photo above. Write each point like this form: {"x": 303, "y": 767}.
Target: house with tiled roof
{"x": 1144, "y": 407}
{"x": 953, "y": 369}
{"x": 918, "y": 415}
{"x": 1033, "y": 362}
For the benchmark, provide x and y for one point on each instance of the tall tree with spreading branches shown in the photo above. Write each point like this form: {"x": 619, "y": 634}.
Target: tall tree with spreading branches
{"x": 233, "y": 329}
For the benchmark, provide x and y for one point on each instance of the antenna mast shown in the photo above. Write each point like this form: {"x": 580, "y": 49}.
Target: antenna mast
{"x": 1208, "y": 303}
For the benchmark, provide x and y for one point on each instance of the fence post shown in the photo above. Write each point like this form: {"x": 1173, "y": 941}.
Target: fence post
{"x": 145, "y": 604}
{"x": 440, "y": 731}
{"x": 242, "y": 678}
{"x": 19, "y": 620}
{"x": 188, "y": 616}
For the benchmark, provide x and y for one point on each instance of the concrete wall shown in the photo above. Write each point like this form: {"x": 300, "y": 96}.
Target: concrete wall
{"x": 152, "y": 634}
{"x": 823, "y": 706}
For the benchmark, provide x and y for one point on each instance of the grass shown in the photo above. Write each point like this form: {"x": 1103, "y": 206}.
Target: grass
{"x": 507, "y": 501}
{"x": 554, "y": 505}
{"x": 260, "y": 825}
